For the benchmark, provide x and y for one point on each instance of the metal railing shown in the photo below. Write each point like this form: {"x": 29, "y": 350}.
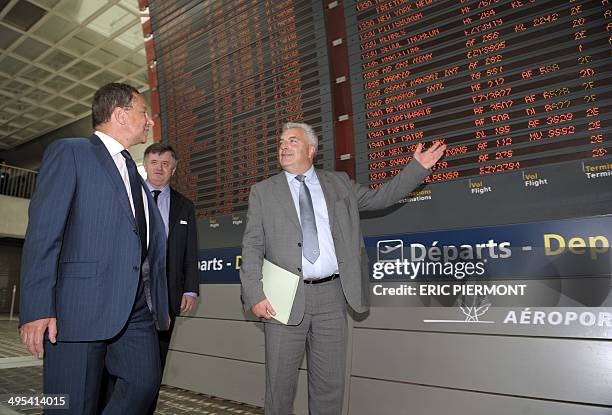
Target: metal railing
{"x": 16, "y": 181}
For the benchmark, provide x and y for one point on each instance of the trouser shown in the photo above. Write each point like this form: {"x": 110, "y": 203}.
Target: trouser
{"x": 164, "y": 345}
{"x": 322, "y": 334}
{"x": 132, "y": 357}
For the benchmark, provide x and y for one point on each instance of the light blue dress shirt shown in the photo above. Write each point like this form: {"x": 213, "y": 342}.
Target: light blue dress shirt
{"x": 163, "y": 203}
{"x": 327, "y": 263}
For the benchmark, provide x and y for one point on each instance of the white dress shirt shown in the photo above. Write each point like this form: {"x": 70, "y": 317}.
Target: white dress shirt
{"x": 326, "y": 264}
{"x": 115, "y": 148}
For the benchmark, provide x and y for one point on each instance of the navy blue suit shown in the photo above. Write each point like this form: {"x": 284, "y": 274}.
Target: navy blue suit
{"x": 82, "y": 264}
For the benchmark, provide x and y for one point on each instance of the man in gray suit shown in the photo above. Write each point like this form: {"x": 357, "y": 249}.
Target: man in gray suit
{"x": 306, "y": 221}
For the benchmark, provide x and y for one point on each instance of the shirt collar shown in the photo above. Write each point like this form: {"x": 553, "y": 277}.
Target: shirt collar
{"x": 113, "y": 146}
{"x": 311, "y": 177}
{"x": 164, "y": 189}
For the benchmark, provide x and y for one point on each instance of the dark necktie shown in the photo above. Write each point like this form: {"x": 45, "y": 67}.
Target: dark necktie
{"x": 136, "y": 188}
{"x": 155, "y": 194}
{"x": 310, "y": 248}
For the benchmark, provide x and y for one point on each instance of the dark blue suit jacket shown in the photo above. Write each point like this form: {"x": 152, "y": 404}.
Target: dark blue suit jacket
{"x": 182, "y": 252}
{"x": 81, "y": 257}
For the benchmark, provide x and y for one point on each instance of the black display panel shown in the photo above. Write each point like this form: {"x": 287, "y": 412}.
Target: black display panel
{"x": 229, "y": 74}
{"x": 518, "y": 90}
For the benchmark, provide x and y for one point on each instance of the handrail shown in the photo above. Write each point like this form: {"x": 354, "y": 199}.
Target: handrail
{"x": 17, "y": 181}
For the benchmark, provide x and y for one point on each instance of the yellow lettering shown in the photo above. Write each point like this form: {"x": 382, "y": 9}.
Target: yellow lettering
{"x": 548, "y": 247}
{"x": 576, "y": 245}
{"x": 598, "y": 245}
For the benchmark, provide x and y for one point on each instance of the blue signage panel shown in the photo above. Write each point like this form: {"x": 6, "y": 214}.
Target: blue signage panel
{"x": 543, "y": 250}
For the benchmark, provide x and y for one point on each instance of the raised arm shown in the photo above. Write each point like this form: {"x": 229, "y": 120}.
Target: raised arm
{"x": 403, "y": 183}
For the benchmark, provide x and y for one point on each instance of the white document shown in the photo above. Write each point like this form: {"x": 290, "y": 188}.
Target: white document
{"x": 279, "y": 286}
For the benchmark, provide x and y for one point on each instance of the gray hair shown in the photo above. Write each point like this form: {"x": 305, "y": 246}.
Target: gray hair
{"x": 310, "y": 134}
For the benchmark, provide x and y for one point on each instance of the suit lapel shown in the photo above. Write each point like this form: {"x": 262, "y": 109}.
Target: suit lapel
{"x": 283, "y": 194}
{"x": 175, "y": 209}
{"x": 329, "y": 197}
{"x": 113, "y": 175}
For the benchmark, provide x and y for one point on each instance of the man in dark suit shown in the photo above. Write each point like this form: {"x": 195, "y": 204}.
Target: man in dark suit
{"x": 178, "y": 214}
{"x": 93, "y": 279}
{"x": 306, "y": 221}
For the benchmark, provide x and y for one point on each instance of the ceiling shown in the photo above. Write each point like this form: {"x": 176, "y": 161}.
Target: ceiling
{"x": 54, "y": 54}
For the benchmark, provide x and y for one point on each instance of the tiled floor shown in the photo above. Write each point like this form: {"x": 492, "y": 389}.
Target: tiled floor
{"x": 22, "y": 374}
{"x": 10, "y": 345}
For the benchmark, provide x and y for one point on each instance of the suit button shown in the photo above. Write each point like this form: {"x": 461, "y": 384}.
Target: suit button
{"x": 299, "y": 269}
{"x": 300, "y": 244}
{"x": 135, "y": 268}
{"x": 135, "y": 231}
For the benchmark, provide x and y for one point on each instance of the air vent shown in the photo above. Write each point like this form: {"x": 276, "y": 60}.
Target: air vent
{"x": 24, "y": 15}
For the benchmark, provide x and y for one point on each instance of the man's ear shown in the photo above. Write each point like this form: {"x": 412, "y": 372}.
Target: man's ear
{"x": 119, "y": 115}
{"x": 312, "y": 151}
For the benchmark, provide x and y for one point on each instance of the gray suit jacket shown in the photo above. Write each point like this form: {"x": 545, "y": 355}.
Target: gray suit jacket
{"x": 273, "y": 232}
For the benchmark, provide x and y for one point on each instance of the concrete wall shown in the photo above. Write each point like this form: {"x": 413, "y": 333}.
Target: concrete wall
{"x": 400, "y": 366}
{"x": 13, "y": 216}
{"x": 220, "y": 350}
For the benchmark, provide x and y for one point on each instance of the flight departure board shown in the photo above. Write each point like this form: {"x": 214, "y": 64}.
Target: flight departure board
{"x": 229, "y": 74}
{"x": 519, "y": 90}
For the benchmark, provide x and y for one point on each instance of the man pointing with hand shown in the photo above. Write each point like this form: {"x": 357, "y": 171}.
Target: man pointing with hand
{"x": 306, "y": 221}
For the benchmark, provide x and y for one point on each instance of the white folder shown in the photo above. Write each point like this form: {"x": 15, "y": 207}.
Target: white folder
{"x": 279, "y": 286}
